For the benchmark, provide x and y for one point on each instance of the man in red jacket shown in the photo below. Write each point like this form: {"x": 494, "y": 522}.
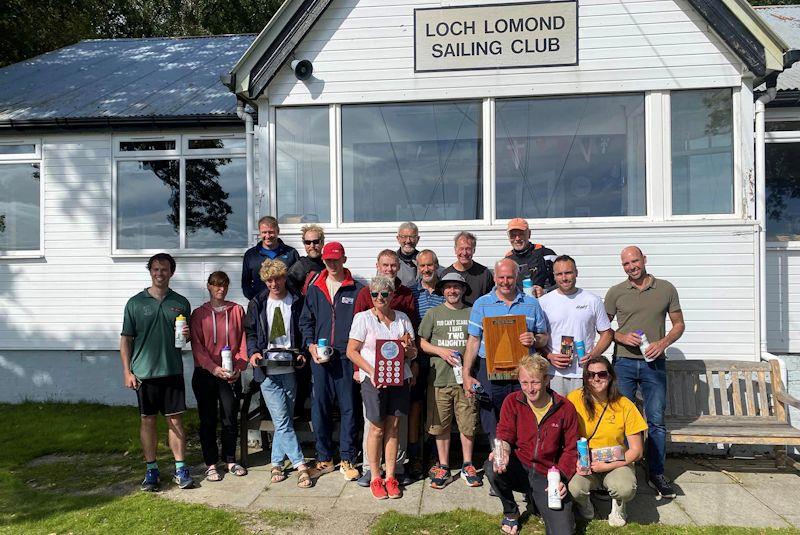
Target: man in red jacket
{"x": 538, "y": 429}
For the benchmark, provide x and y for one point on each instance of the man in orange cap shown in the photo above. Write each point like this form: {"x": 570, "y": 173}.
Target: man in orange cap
{"x": 534, "y": 259}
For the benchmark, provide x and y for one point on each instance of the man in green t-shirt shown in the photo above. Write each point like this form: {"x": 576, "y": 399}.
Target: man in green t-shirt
{"x": 153, "y": 366}
{"x": 443, "y": 335}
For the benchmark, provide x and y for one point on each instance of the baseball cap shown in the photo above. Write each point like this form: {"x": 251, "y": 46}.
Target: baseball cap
{"x": 452, "y": 277}
{"x": 517, "y": 224}
{"x": 333, "y": 251}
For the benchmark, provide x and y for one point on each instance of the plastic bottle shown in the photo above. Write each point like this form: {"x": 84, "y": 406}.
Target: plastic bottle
{"x": 227, "y": 359}
{"x": 458, "y": 371}
{"x": 499, "y": 454}
{"x": 553, "y": 497}
{"x": 180, "y": 323}
{"x": 643, "y": 345}
{"x": 527, "y": 287}
{"x": 583, "y": 456}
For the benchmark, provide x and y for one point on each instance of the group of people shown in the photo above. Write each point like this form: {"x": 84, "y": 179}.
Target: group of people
{"x": 310, "y": 313}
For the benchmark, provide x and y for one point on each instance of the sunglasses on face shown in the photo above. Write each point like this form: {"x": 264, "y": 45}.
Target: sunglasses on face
{"x": 382, "y": 294}
{"x": 312, "y": 242}
{"x": 600, "y": 375}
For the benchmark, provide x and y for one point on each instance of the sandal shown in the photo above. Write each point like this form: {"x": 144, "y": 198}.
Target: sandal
{"x": 511, "y": 523}
{"x": 277, "y": 474}
{"x": 237, "y": 470}
{"x": 304, "y": 480}
{"x": 212, "y": 474}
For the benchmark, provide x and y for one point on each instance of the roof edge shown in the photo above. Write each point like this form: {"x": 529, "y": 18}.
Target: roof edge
{"x": 155, "y": 121}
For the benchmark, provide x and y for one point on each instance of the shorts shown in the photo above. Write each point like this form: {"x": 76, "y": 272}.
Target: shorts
{"x": 443, "y": 403}
{"x": 420, "y": 387}
{"x": 165, "y": 395}
{"x": 382, "y": 402}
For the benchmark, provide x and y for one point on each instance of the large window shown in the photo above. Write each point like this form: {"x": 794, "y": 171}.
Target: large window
{"x": 303, "y": 165}
{"x": 173, "y": 195}
{"x": 783, "y": 191}
{"x": 570, "y": 157}
{"x": 20, "y": 200}
{"x": 702, "y": 152}
{"x": 418, "y": 162}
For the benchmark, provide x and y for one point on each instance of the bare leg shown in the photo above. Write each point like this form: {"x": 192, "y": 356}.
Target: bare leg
{"x": 443, "y": 448}
{"x": 375, "y": 447}
{"x": 391, "y": 429}
{"x": 149, "y": 437}
{"x": 177, "y": 438}
{"x": 466, "y": 448}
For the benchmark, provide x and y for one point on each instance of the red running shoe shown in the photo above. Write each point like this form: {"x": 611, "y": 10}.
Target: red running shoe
{"x": 378, "y": 489}
{"x": 393, "y": 488}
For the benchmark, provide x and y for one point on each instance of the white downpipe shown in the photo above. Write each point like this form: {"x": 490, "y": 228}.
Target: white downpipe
{"x": 761, "y": 214}
{"x": 247, "y": 117}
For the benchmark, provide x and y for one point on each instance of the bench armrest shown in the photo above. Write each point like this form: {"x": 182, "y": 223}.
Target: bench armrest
{"x": 787, "y": 399}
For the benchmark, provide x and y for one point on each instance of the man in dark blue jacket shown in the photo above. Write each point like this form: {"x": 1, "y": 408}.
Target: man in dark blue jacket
{"x": 270, "y": 246}
{"x": 328, "y": 314}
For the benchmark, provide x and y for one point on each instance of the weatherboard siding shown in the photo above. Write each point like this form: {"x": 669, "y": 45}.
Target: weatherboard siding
{"x": 363, "y": 51}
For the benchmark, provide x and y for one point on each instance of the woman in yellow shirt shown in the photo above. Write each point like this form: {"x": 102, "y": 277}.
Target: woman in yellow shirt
{"x": 607, "y": 419}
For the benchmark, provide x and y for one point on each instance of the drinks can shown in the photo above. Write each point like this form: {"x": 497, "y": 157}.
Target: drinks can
{"x": 583, "y": 454}
{"x": 580, "y": 349}
{"x": 324, "y": 351}
{"x": 527, "y": 287}
{"x": 553, "y": 497}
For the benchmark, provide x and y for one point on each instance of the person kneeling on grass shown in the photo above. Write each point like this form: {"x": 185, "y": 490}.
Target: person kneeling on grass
{"x": 383, "y": 405}
{"x": 538, "y": 429}
{"x": 607, "y": 419}
{"x": 272, "y": 322}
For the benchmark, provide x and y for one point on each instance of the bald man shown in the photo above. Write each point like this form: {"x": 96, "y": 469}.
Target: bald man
{"x": 642, "y": 303}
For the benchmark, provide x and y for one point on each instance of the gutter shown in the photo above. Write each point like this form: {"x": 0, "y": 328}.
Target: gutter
{"x": 247, "y": 116}
{"x": 148, "y": 121}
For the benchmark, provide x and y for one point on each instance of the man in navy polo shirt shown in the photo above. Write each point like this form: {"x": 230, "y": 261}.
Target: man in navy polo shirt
{"x": 503, "y": 300}
{"x": 270, "y": 246}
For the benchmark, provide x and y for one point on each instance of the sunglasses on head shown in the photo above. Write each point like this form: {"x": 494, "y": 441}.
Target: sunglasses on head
{"x": 312, "y": 242}
{"x": 383, "y": 294}
{"x": 600, "y": 375}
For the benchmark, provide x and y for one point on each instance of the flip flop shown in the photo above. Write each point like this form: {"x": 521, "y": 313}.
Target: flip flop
{"x": 212, "y": 474}
{"x": 304, "y": 480}
{"x": 237, "y": 470}
{"x": 510, "y": 523}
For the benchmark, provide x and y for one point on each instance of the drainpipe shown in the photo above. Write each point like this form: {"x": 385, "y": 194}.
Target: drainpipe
{"x": 247, "y": 117}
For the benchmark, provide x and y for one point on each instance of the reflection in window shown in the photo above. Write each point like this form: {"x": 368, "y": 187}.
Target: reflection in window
{"x": 19, "y": 207}
{"x": 783, "y": 191}
{"x": 148, "y": 204}
{"x": 782, "y": 126}
{"x": 702, "y": 152}
{"x": 217, "y": 143}
{"x": 303, "y": 165}
{"x": 216, "y": 203}
{"x": 418, "y": 162}
{"x": 570, "y": 157}
{"x": 132, "y": 146}
{"x": 18, "y": 149}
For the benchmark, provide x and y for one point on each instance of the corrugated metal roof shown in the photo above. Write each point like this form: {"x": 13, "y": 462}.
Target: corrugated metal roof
{"x": 123, "y": 78}
{"x": 785, "y": 20}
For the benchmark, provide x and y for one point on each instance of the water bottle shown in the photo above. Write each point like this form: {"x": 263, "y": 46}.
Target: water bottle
{"x": 180, "y": 323}
{"x": 458, "y": 371}
{"x": 643, "y": 346}
{"x": 499, "y": 454}
{"x": 227, "y": 359}
{"x": 583, "y": 457}
{"x": 527, "y": 287}
{"x": 553, "y": 497}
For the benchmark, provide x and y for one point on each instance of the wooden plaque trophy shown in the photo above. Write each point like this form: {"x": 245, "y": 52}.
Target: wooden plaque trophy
{"x": 503, "y": 348}
{"x": 389, "y": 360}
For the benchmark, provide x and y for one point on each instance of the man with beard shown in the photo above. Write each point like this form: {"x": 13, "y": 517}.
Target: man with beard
{"x": 408, "y": 238}
{"x": 534, "y": 259}
{"x": 311, "y": 264}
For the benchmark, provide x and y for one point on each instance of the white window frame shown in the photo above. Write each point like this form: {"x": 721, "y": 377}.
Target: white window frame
{"x": 33, "y": 158}
{"x": 786, "y": 136}
{"x": 181, "y": 154}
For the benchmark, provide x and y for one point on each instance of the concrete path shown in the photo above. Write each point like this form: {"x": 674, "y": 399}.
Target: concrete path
{"x": 750, "y": 493}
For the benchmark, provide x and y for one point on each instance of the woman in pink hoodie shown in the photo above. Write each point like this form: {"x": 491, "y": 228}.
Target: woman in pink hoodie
{"x": 215, "y": 325}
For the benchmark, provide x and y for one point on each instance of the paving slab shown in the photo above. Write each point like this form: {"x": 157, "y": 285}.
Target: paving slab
{"x": 780, "y": 491}
{"x": 645, "y": 509}
{"x": 457, "y": 494}
{"x": 355, "y": 498}
{"x": 231, "y": 491}
{"x": 726, "y": 505}
{"x": 326, "y": 486}
{"x": 687, "y": 471}
{"x": 794, "y": 520}
{"x": 268, "y": 500}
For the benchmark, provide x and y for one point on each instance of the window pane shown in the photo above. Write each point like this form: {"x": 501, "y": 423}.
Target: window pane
{"x": 783, "y": 191}
{"x": 417, "y": 162}
{"x": 702, "y": 152}
{"x": 570, "y": 157}
{"x": 217, "y": 143}
{"x": 19, "y": 207}
{"x": 126, "y": 146}
{"x": 18, "y": 149}
{"x": 216, "y": 203}
{"x": 148, "y": 204}
{"x": 782, "y": 126}
{"x": 303, "y": 164}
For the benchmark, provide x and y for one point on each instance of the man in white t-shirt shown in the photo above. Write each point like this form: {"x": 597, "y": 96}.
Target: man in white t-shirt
{"x": 576, "y": 313}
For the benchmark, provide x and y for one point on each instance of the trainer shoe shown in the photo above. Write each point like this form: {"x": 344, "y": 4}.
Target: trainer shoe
{"x": 617, "y": 517}
{"x": 183, "y": 478}
{"x": 415, "y": 469}
{"x": 152, "y": 480}
{"x": 378, "y": 489}
{"x": 322, "y": 467}
{"x": 661, "y": 485}
{"x": 349, "y": 471}
{"x": 586, "y": 511}
{"x": 393, "y": 488}
{"x": 440, "y": 476}
{"x": 405, "y": 479}
{"x": 365, "y": 479}
{"x": 470, "y": 475}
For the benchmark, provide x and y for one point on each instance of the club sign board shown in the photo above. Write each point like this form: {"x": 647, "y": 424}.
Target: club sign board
{"x": 496, "y": 36}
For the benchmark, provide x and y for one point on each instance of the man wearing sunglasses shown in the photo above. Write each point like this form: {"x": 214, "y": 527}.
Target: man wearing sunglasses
{"x": 304, "y": 270}
{"x": 641, "y": 303}
{"x": 578, "y": 315}
{"x": 269, "y": 246}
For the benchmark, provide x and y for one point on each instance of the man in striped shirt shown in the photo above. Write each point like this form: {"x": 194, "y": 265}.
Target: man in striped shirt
{"x": 424, "y": 290}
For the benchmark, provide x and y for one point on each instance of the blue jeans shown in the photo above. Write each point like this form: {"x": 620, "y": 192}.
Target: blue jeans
{"x": 279, "y": 393}
{"x": 651, "y": 377}
{"x": 333, "y": 381}
{"x": 496, "y": 393}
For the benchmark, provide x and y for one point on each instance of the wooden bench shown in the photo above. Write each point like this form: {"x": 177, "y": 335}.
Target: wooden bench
{"x": 729, "y": 402}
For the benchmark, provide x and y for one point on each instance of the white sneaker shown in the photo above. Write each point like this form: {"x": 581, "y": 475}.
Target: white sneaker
{"x": 616, "y": 518}
{"x": 586, "y": 511}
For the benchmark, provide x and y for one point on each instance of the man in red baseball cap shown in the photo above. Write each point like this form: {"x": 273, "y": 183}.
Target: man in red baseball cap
{"x": 326, "y": 319}
{"x": 535, "y": 261}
